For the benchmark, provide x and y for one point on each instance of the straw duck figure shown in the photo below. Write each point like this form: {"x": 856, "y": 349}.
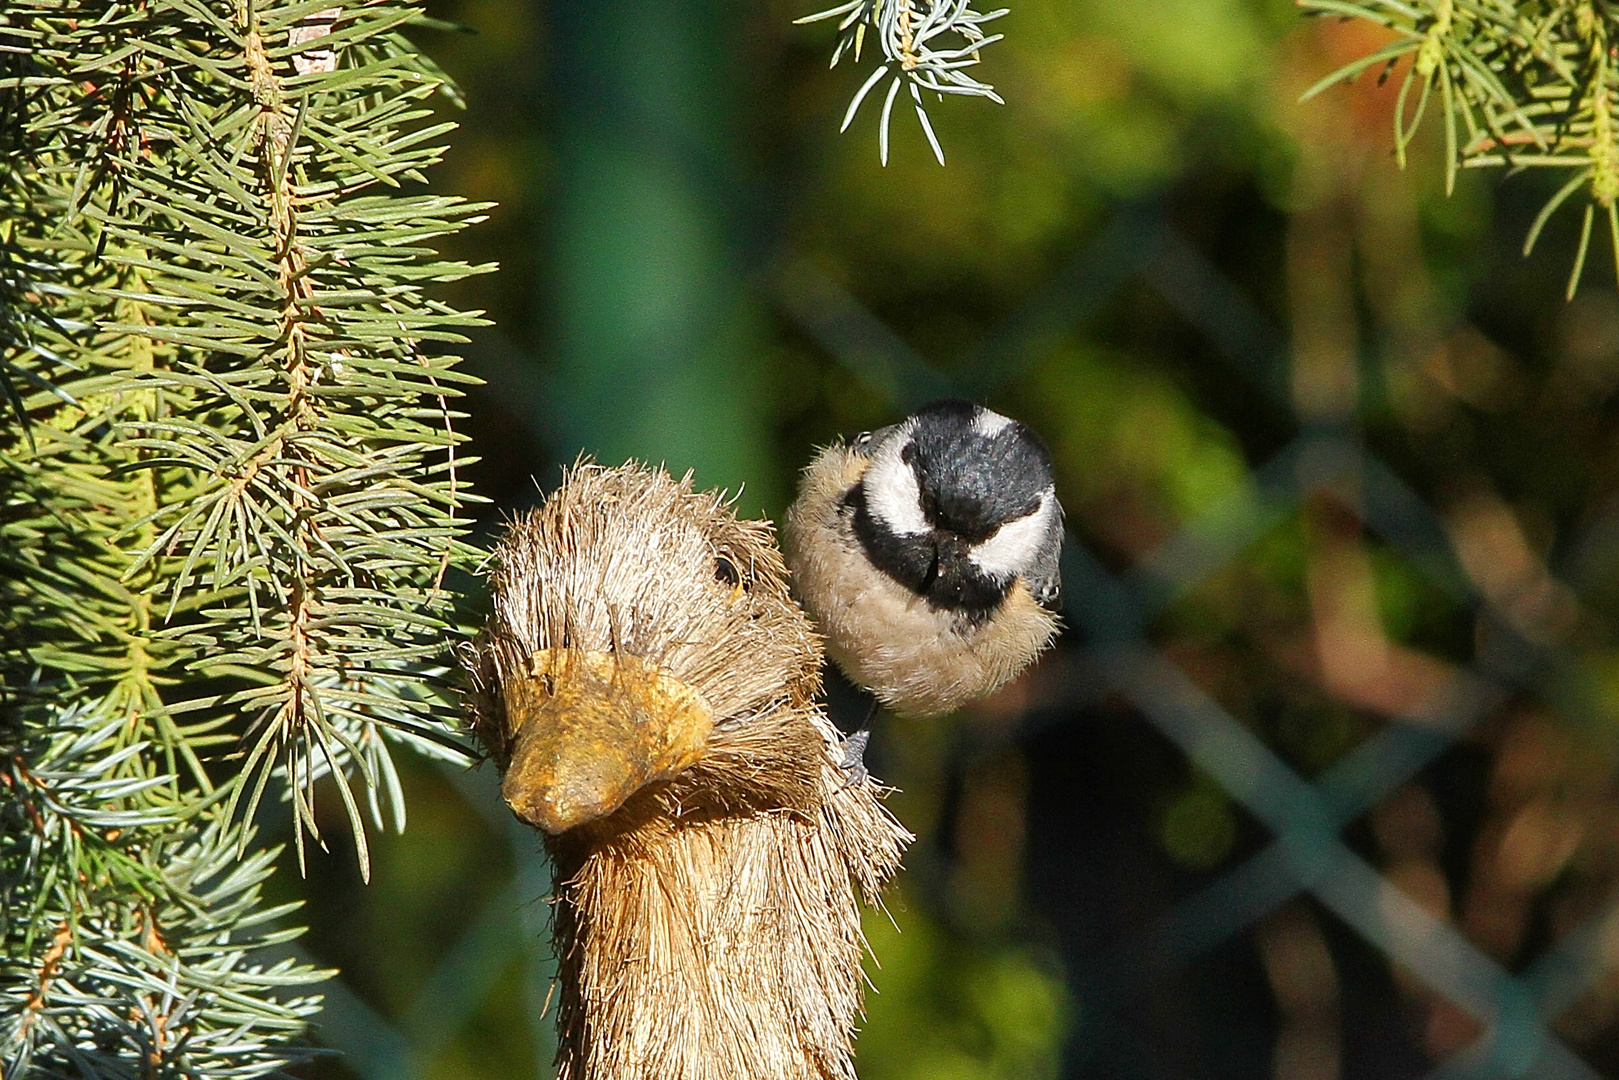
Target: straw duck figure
{"x": 646, "y": 684}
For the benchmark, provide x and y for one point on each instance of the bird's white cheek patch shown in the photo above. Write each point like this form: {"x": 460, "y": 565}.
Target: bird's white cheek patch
{"x": 892, "y": 494}
{"x": 1012, "y": 547}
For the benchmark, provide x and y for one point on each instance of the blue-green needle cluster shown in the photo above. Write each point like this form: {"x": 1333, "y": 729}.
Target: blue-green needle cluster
{"x": 927, "y": 46}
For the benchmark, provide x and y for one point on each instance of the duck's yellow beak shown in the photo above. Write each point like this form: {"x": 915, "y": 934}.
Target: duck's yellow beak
{"x": 591, "y": 729}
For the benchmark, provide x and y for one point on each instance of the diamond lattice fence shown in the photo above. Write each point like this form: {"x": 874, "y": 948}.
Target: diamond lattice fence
{"x": 1111, "y": 615}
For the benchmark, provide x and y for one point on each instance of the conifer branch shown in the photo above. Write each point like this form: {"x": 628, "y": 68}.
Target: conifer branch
{"x": 916, "y": 54}
{"x": 228, "y": 499}
{"x": 1518, "y": 85}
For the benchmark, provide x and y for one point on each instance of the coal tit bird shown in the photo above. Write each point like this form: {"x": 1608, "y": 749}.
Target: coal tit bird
{"x": 927, "y": 554}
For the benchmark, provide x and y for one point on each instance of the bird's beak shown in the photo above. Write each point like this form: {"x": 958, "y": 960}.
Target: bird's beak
{"x": 591, "y": 729}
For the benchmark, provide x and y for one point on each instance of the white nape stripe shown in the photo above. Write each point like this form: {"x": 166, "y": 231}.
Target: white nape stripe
{"x": 989, "y": 424}
{"x": 892, "y": 493}
{"x": 1011, "y": 549}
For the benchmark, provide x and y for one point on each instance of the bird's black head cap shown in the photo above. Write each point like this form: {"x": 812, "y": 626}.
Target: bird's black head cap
{"x": 976, "y": 470}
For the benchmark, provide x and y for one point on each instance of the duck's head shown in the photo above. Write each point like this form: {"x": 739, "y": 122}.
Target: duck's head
{"x": 644, "y": 656}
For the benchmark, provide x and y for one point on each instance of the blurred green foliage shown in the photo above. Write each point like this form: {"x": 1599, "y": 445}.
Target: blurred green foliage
{"x": 1099, "y": 406}
{"x": 947, "y": 1007}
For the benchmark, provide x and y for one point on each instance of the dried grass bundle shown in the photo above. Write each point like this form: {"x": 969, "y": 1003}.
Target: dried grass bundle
{"x": 646, "y": 685}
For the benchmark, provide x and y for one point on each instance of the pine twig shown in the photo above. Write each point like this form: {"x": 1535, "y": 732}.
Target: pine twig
{"x": 919, "y": 52}
{"x": 1518, "y": 85}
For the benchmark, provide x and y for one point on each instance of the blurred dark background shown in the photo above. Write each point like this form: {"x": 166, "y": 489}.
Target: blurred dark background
{"x": 1319, "y": 783}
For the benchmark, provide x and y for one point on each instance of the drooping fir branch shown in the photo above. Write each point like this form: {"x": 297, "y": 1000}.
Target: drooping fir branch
{"x": 927, "y": 45}
{"x": 229, "y": 488}
{"x": 135, "y": 943}
{"x": 1519, "y": 85}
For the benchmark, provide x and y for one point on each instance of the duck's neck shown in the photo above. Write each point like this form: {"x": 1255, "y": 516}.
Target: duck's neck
{"x": 722, "y": 949}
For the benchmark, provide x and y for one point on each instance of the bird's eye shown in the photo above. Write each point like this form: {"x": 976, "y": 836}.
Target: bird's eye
{"x": 725, "y": 571}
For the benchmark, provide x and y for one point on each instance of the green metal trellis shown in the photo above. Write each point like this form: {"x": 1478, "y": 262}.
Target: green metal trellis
{"x": 1306, "y": 854}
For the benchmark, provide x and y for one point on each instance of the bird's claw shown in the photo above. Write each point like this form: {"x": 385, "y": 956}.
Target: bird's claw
{"x": 854, "y": 757}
